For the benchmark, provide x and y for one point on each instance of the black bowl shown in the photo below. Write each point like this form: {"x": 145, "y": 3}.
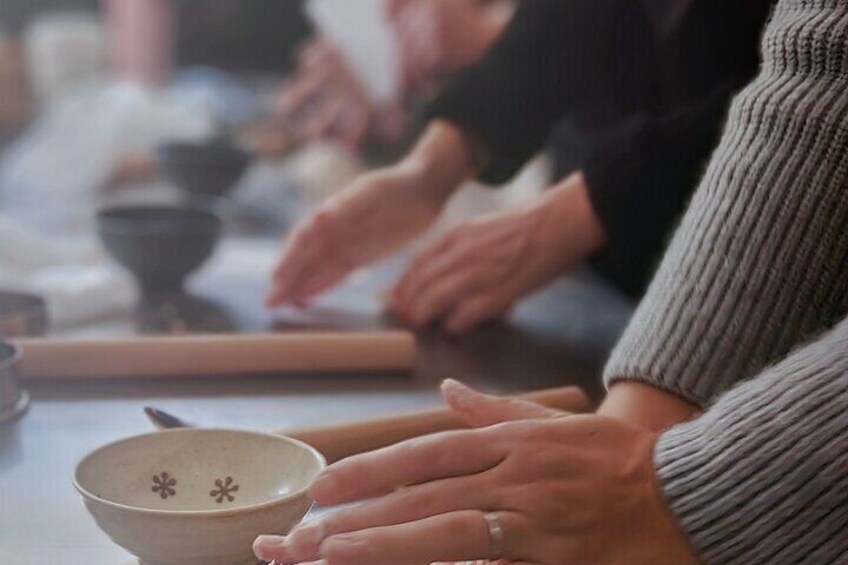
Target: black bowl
{"x": 22, "y": 315}
{"x": 160, "y": 245}
{"x": 207, "y": 168}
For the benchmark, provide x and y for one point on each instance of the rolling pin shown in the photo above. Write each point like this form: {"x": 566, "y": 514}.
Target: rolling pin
{"x": 216, "y": 355}
{"x": 339, "y": 441}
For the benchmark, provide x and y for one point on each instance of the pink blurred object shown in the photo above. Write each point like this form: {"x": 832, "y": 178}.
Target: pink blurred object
{"x": 141, "y": 39}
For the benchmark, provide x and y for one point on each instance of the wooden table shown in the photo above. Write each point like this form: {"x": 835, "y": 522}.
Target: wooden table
{"x": 560, "y": 336}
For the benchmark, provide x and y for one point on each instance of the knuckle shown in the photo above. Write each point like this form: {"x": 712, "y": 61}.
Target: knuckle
{"x": 345, "y": 549}
{"x": 427, "y": 502}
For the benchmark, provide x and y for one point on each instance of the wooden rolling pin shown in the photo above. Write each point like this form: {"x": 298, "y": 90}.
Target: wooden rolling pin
{"x": 216, "y": 355}
{"x": 343, "y": 440}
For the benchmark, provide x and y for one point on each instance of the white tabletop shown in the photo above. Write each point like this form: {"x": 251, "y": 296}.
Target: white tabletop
{"x": 41, "y": 516}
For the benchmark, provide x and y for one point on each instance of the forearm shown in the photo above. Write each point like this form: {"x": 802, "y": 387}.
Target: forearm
{"x": 553, "y": 60}
{"x": 758, "y": 263}
{"x": 760, "y": 478}
{"x": 569, "y": 227}
{"x": 642, "y": 177}
{"x": 441, "y": 161}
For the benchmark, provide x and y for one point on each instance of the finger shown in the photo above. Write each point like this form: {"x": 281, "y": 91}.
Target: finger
{"x": 325, "y": 119}
{"x": 270, "y": 548}
{"x": 405, "y": 505}
{"x": 457, "y": 536}
{"x": 476, "y": 310}
{"x": 443, "y": 295}
{"x": 432, "y": 262}
{"x": 480, "y": 410}
{"x": 355, "y": 125}
{"x": 317, "y": 53}
{"x": 302, "y": 256}
{"x": 430, "y": 458}
{"x": 302, "y": 240}
{"x": 306, "y": 87}
{"x": 319, "y": 283}
{"x": 395, "y": 7}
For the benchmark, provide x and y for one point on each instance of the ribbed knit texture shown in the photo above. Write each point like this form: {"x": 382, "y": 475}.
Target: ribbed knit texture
{"x": 760, "y": 261}
{"x": 762, "y": 477}
{"x": 758, "y": 266}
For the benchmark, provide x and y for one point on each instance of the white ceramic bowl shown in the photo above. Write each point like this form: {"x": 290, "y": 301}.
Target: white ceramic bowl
{"x": 197, "y": 496}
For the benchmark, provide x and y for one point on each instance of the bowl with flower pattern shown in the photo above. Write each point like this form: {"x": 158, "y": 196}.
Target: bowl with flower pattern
{"x": 197, "y": 496}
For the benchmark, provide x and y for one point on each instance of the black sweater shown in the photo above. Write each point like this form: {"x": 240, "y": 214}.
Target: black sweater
{"x": 651, "y": 104}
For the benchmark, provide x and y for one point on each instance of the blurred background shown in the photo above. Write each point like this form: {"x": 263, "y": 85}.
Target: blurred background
{"x": 258, "y": 109}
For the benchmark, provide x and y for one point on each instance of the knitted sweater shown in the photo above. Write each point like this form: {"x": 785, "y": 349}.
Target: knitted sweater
{"x": 758, "y": 266}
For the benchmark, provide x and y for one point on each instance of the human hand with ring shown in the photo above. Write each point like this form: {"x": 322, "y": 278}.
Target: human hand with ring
{"x": 542, "y": 491}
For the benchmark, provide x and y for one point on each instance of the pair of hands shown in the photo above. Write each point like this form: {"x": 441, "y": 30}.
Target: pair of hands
{"x": 566, "y": 489}
{"x": 472, "y": 274}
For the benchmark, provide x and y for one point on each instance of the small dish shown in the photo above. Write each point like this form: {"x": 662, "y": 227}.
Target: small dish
{"x": 22, "y": 315}
{"x": 197, "y": 496}
{"x": 211, "y": 168}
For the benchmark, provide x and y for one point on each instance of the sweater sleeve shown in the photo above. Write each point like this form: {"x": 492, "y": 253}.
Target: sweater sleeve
{"x": 760, "y": 477}
{"x": 758, "y": 264}
{"x": 555, "y": 58}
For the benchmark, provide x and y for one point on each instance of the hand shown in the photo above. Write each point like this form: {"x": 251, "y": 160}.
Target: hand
{"x": 479, "y": 269}
{"x": 372, "y": 218}
{"x": 326, "y": 98}
{"x": 437, "y": 37}
{"x": 565, "y": 490}
{"x": 480, "y": 410}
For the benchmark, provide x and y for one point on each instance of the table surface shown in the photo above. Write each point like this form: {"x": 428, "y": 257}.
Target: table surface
{"x": 557, "y": 337}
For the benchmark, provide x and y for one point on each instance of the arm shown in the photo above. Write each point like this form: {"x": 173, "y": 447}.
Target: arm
{"x": 644, "y": 174}
{"x": 376, "y": 215}
{"x": 554, "y": 58}
{"x": 480, "y": 268}
{"x": 760, "y": 478}
{"x": 758, "y": 264}
{"x": 642, "y": 170}
{"x": 642, "y": 177}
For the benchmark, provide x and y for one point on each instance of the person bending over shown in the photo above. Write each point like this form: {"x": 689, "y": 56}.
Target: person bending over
{"x": 652, "y": 94}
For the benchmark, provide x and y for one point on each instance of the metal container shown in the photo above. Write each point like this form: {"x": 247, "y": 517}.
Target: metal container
{"x": 13, "y": 399}
{"x": 22, "y": 315}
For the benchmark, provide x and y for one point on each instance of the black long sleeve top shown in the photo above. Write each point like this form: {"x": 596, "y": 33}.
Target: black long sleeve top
{"x": 652, "y": 103}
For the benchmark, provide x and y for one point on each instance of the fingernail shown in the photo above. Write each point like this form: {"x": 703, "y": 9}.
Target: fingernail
{"x": 459, "y": 393}
{"x": 306, "y": 540}
{"x": 323, "y": 487}
{"x": 269, "y": 548}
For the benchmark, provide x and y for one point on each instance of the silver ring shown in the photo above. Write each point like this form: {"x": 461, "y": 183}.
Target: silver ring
{"x": 496, "y": 535}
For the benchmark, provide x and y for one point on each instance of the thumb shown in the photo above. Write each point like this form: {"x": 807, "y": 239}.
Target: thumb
{"x": 479, "y": 410}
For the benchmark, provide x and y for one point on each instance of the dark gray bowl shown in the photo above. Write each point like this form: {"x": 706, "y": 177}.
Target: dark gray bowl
{"x": 160, "y": 245}
{"x": 22, "y": 315}
{"x": 207, "y": 168}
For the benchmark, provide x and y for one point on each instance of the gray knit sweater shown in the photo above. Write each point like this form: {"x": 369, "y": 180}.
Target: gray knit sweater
{"x": 758, "y": 267}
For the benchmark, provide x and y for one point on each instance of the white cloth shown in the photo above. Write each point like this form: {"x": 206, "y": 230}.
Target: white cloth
{"x": 78, "y": 285}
